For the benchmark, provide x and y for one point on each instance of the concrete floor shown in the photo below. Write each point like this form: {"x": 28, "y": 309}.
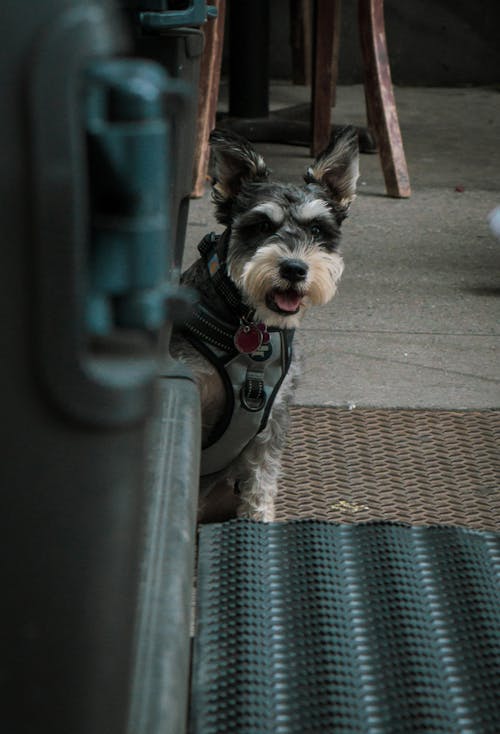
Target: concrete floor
{"x": 416, "y": 322}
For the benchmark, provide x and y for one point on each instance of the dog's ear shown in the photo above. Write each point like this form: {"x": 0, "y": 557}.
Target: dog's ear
{"x": 337, "y": 168}
{"x": 235, "y": 162}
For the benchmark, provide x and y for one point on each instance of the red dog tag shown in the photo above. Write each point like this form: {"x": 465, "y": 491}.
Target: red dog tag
{"x": 248, "y": 338}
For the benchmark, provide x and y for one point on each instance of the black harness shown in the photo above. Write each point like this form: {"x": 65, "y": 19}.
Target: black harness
{"x": 251, "y": 359}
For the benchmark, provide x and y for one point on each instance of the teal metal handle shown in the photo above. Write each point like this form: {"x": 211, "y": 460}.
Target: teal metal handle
{"x": 129, "y": 106}
{"x": 155, "y": 15}
{"x": 77, "y": 103}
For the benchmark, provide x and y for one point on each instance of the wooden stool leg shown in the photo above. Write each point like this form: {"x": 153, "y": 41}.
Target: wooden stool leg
{"x": 325, "y": 71}
{"x": 300, "y": 40}
{"x": 208, "y": 95}
{"x": 381, "y": 105}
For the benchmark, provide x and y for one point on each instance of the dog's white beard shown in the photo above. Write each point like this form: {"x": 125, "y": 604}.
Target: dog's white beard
{"x": 259, "y": 276}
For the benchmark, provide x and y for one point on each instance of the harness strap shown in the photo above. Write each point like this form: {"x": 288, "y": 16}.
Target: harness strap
{"x": 251, "y": 360}
{"x": 206, "y": 326}
{"x": 251, "y": 390}
{"x": 209, "y": 249}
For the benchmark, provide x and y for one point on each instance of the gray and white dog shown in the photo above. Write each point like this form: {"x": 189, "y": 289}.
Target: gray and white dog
{"x": 278, "y": 255}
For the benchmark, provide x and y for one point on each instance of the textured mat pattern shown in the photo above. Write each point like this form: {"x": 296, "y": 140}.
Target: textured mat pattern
{"x": 413, "y": 466}
{"x": 315, "y": 628}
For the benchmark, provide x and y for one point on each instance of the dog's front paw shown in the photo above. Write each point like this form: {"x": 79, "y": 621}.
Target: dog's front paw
{"x": 263, "y": 512}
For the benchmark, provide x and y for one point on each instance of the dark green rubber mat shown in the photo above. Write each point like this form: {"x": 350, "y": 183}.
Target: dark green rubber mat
{"x": 309, "y": 627}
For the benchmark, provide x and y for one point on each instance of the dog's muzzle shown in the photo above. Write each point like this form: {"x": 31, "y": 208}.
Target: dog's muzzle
{"x": 287, "y": 301}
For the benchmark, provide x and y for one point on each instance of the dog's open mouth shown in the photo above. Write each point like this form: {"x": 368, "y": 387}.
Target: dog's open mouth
{"x": 286, "y": 302}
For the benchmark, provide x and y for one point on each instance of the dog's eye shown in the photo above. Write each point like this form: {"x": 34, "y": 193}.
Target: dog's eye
{"x": 265, "y": 227}
{"x": 315, "y": 230}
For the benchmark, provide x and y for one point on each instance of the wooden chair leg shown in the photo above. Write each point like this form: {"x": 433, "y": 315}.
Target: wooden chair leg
{"x": 208, "y": 96}
{"x": 325, "y": 70}
{"x": 381, "y": 105}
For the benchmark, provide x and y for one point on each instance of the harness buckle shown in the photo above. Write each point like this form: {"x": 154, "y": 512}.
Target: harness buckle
{"x": 253, "y": 395}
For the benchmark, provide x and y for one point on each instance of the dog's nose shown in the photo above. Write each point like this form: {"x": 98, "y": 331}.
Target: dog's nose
{"x": 293, "y": 270}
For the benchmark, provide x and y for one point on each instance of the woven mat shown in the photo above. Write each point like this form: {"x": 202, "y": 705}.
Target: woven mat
{"x": 413, "y": 466}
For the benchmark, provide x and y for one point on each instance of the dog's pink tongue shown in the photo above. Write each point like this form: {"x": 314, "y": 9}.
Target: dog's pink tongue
{"x": 288, "y": 301}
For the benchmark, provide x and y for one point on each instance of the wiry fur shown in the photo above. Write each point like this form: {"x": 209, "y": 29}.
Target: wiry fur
{"x": 283, "y": 257}
{"x": 261, "y": 274}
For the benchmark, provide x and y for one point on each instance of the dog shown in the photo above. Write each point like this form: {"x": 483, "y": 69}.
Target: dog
{"x": 278, "y": 255}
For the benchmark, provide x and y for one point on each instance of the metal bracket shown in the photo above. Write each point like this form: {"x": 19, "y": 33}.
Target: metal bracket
{"x": 112, "y": 385}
